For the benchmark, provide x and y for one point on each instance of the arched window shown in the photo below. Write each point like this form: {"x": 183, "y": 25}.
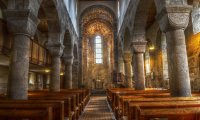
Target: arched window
{"x": 98, "y": 50}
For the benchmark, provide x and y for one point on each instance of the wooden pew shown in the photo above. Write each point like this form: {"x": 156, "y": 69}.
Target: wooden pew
{"x": 115, "y": 93}
{"x": 57, "y": 106}
{"x": 120, "y": 109}
{"x": 69, "y": 102}
{"x": 116, "y": 97}
{"x": 24, "y": 114}
{"x": 153, "y": 101}
{"x": 13, "y": 110}
{"x": 177, "y": 113}
{"x": 79, "y": 98}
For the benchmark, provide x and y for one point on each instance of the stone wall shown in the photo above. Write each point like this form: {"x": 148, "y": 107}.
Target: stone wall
{"x": 3, "y": 78}
{"x": 193, "y": 50}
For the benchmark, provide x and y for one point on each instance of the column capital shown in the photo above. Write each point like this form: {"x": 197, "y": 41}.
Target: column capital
{"x": 127, "y": 57}
{"x": 22, "y": 22}
{"x": 55, "y": 49}
{"x": 174, "y": 17}
{"x": 68, "y": 59}
{"x": 139, "y": 46}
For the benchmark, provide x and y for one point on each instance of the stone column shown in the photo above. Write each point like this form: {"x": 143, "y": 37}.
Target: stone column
{"x": 75, "y": 73}
{"x": 68, "y": 61}
{"x": 139, "y": 48}
{"x": 173, "y": 20}
{"x": 121, "y": 66}
{"x": 128, "y": 69}
{"x": 56, "y": 51}
{"x": 38, "y": 82}
{"x": 22, "y": 24}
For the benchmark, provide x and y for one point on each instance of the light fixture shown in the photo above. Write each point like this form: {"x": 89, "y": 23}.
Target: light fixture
{"x": 61, "y": 74}
{"x": 47, "y": 70}
{"x": 151, "y": 47}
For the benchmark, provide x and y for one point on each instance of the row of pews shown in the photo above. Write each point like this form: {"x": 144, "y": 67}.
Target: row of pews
{"x": 67, "y": 104}
{"x": 129, "y": 104}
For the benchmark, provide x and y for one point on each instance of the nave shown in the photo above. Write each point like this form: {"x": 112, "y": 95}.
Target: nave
{"x": 97, "y": 109}
{"x": 55, "y": 53}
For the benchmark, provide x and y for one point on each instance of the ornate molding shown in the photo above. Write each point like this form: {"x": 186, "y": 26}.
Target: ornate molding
{"x": 174, "y": 17}
{"x": 22, "y": 22}
{"x": 139, "y": 46}
{"x": 68, "y": 59}
{"x": 55, "y": 49}
{"x": 127, "y": 57}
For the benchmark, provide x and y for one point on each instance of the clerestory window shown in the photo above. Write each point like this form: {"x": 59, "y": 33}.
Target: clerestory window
{"x": 98, "y": 50}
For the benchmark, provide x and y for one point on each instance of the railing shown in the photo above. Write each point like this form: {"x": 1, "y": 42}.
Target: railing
{"x": 37, "y": 54}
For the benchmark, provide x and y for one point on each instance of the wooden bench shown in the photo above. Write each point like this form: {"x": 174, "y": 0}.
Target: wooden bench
{"x": 30, "y": 114}
{"x": 159, "y": 105}
{"x": 57, "y": 106}
{"x": 131, "y": 104}
{"x": 69, "y": 102}
{"x": 116, "y": 104}
{"x": 123, "y": 99}
{"x": 113, "y": 100}
{"x": 76, "y": 102}
{"x": 13, "y": 110}
{"x": 188, "y": 113}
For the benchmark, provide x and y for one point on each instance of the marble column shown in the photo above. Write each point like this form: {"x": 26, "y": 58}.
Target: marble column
{"x": 128, "y": 69}
{"x": 139, "y": 48}
{"x": 56, "y": 51}
{"x": 68, "y": 61}
{"x": 22, "y": 24}
{"x": 173, "y": 20}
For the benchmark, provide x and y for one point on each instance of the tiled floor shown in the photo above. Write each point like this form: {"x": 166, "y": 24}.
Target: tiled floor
{"x": 97, "y": 109}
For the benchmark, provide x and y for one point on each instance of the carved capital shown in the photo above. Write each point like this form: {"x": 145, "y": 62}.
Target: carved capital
{"x": 68, "y": 59}
{"x": 127, "y": 57}
{"x": 55, "y": 49}
{"x": 22, "y": 22}
{"x": 139, "y": 46}
{"x": 174, "y": 17}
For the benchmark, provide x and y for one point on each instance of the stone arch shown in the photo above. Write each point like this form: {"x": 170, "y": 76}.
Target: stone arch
{"x": 89, "y": 9}
{"x": 49, "y": 8}
{"x": 68, "y": 43}
{"x": 145, "y": 14}
{"x": 106, "y": 16}
{"x": 127, "y": 41}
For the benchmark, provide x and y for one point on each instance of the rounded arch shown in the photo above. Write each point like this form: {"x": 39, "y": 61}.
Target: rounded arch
{"x": 127, "y": 40}
{"x": 94, "y": 7}
{"x": 68, "y": 43}
{"x": 144, "y": 16}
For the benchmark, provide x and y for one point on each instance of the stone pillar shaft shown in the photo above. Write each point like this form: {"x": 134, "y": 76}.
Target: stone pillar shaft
{"x": 128, "y": 69}
{"x": 68, "y": 76}
{"x": 19, "y": 67}
{"x": 178, "y": 63}
{"x": 139, "y": 48}
{"x": 173, "y": 20}
{"x": 22, "y": 24}
{"x": 55, "y": 74}
{"x": 68, "y": 60}
{"x": 139, "y": 71}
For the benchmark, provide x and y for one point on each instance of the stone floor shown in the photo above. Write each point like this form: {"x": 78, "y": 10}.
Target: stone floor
{"x": 97, "y": 109}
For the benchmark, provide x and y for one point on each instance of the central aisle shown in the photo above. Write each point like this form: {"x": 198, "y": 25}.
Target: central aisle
{"x": 97, "y": 109}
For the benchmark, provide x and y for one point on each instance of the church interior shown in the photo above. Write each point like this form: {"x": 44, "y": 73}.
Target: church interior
{"x": 99, "y": 59}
